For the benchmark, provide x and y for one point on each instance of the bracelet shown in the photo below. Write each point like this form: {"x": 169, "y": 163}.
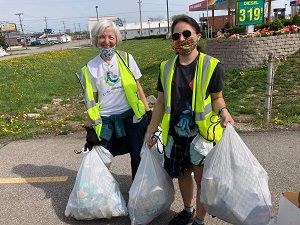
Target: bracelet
{"x": 220, "y": 111}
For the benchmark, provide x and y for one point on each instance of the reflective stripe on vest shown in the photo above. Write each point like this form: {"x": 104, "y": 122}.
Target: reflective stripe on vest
{"x": 129, "y": 85}
{"x": 91, "y": 105}
{"x": 205, "y": 118}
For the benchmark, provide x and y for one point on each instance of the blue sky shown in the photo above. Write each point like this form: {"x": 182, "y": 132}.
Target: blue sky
{"x": 74, "y": 13}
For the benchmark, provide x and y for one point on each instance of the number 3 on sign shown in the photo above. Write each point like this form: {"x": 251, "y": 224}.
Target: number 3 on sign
{"x": 242, "y": 17}
{"x": 253, "y": 14}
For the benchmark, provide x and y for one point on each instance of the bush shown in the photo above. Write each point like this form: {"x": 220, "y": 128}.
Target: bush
{"x": 3, "y": 43}
{"x": 286, "y": 22}
{"x": 261, "y": 26}
{"x": 233, "y": 30}
{"x": 296, "y": 20}
{"x": 228, "y": 25}
{"x": 276, "y": 25}
{"x": 242, "y": 29}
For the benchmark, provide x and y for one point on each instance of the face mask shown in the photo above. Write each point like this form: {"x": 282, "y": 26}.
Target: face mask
{"x": 184, "y": 47}
{"x": 107, "y": 53}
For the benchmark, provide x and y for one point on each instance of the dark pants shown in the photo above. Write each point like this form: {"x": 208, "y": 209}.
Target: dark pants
{"x": 132, "y": 143}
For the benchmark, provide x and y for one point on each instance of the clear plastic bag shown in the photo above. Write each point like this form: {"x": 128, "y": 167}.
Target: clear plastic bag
{"x": 104, "y": 155}
{"x": 152, "y": 191}
{"x": 234, "y": 185}
{"x": 96, "y": 194}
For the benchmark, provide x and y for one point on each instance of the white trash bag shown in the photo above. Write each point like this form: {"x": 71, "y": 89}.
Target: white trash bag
{"x": 96, "y": 194}
{"x": 104, "y": 155}
{"x": 234, "y": 185}
{"x": 152, "y": 191}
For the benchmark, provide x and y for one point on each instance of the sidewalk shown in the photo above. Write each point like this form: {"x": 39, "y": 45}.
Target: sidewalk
{"x": 44, "y": 203}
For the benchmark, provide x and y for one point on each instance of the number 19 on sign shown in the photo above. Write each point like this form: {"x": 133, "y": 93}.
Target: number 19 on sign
{"x": 249, "y": 12}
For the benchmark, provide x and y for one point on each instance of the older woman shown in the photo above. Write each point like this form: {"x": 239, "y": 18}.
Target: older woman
{"x": 115, "y": 101}
{"x": 192, "y": 112}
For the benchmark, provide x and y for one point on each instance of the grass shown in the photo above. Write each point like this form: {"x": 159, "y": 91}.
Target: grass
{"x": 31, "y": 84}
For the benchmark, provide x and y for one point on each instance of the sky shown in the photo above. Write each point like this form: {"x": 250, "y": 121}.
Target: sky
{"x": 73, "y": 14}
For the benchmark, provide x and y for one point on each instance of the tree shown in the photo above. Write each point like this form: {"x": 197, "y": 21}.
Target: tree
{"x": 3, "y": 42}
{"x": 176, "y": 16}
{"x": 276, "y": 25}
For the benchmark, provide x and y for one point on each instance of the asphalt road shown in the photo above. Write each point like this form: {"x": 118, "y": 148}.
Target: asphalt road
{"x": 34, "y": 50}
{"x": 44, "y": 203}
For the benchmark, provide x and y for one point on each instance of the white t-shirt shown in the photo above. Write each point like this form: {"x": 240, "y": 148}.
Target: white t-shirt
{"x": 106, "y": 80}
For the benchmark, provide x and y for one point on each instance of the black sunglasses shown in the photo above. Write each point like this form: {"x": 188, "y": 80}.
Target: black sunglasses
{"x": 186, "y": 34}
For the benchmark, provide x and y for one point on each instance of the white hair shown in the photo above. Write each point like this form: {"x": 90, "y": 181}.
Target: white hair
{"x": 99, "y": 28}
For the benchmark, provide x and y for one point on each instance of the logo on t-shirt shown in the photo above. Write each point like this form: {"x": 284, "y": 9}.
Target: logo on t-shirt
{"x": 110, "y": 78}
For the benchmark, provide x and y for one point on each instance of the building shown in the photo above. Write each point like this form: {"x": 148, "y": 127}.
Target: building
{"x": 295, "y": 7}
{"x": 218, "y": 22}
{"x": 150, "y": 28}
{"x": 279, "y": 13}
{"x": 93, "y": 20}
{"x": 133, "y": 30}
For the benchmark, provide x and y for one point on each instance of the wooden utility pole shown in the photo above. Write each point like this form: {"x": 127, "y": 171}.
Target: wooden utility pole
{"x": 269, "y": 11}
{"x": 141, "y": 26}
{"x": 19, "y": 14}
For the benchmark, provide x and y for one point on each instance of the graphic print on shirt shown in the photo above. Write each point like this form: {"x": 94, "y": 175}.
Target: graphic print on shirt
{"x": 110, "y": 77}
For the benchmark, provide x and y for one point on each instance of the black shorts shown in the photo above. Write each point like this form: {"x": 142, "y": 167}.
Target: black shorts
{"x": 179, "y": 160}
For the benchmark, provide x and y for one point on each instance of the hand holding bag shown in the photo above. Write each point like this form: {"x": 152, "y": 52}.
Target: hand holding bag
{"x": 234, "y": 185}
{"x": 96, "y": 194}
{"x": 152, "y": 191}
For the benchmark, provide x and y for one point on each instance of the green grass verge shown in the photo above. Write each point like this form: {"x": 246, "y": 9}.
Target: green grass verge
{"x": 29, "y": 84}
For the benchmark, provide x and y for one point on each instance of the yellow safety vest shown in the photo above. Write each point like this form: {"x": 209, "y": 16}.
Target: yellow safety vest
{"x": 205, "y": 118}
{"x": 129, "y": 85}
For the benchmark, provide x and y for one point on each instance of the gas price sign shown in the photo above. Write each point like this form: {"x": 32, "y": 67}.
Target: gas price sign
{"x": 249, "y": 12}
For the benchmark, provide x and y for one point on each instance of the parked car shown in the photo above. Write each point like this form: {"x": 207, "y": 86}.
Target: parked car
{"x": 34, "y": 43}
{"x": 52, "y": 42}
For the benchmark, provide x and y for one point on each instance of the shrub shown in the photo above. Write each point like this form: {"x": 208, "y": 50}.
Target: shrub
{"x": 228, "y": 25}
{"x": 3, "y": 43}
{"x": 261, "y": 26}
{"x": 296, "y": 20}
{"x": 233, "y": 30}
{"x": 242, "y": 30}
{"x": 286, "y": 22}
{"x": 276, "y": 25}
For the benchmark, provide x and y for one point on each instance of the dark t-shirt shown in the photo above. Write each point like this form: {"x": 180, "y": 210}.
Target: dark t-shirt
{"x": 182, "y": 85}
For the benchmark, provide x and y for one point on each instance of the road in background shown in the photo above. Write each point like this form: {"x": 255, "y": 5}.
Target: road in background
{"x": 44, "y": 203}
{"x": 34, "y": 50}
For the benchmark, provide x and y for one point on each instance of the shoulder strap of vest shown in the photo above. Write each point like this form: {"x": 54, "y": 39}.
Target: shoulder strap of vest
{"x": 165, "y": 68}
{"x": 77, "y": 74}
{"x": 124, "y": 56}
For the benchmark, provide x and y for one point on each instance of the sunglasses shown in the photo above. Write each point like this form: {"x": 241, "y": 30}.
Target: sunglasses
{"x": 186, "y": 34}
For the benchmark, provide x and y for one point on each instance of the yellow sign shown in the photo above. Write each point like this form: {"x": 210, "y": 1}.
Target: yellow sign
{"x": 8, "y": 27}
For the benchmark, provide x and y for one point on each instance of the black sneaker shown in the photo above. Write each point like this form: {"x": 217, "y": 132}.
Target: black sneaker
{"x": 194, "y": 223}
{"x": 183, "y": 218}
